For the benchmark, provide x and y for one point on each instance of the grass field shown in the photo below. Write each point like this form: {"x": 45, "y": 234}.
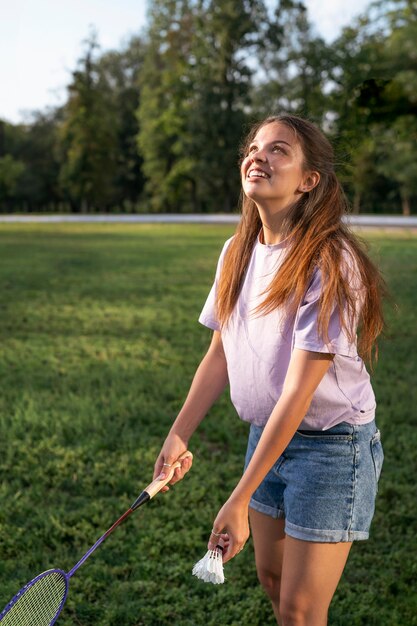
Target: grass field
{"x": 99, "y": 341}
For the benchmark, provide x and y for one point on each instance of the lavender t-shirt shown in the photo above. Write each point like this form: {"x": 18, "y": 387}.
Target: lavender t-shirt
{"x": 258, "y": 350}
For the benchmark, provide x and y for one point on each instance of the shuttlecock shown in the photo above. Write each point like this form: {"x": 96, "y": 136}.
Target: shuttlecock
{"x": 210, "y": 567}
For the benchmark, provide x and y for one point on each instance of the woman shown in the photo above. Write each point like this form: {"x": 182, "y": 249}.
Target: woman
{"x": 291, "y": 288}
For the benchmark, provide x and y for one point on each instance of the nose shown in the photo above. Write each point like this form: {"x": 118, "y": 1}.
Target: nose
{"x": 258, "y": 155}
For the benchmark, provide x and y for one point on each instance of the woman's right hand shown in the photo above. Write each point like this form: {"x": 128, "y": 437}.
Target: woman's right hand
{"x": 173, "y": 447}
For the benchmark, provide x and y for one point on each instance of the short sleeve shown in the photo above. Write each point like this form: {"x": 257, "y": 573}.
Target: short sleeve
{"x": 208, "y": 316}
{"x": 306, "y": 334}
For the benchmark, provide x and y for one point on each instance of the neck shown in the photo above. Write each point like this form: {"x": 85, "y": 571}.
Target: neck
{"x": 274, "y": 226}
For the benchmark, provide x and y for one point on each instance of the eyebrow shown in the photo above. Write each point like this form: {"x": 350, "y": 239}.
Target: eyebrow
{"x": 276, "y": 141}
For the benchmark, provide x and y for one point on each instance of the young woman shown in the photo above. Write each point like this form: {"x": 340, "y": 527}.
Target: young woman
{"x": 292, "y": 286}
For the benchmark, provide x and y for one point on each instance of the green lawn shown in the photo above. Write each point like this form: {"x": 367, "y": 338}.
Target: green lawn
{"x": 99, "y": 341}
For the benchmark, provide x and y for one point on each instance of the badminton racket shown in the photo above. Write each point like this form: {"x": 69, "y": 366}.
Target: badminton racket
{"x": 42, "y": 599}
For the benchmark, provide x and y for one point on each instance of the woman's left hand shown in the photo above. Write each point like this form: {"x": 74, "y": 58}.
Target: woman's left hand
{"x": 232, "y": 524}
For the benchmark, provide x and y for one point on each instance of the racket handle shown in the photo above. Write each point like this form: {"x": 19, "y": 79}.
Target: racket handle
{"x": 156, "y": 485}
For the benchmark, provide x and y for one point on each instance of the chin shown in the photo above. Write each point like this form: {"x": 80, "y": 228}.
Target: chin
{"x": 252, "y": 194}
{"x": 260, "y": 200}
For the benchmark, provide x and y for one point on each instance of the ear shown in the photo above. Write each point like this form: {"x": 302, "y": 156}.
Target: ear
{"x": 310, "y": 181}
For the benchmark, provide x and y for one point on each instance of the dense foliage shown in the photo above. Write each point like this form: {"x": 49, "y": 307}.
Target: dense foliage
{"x": 100, "y": 341}
{"x": 156, "y": 126}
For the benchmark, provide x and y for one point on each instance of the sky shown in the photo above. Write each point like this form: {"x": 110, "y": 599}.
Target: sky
{"x": 41, "y": 41}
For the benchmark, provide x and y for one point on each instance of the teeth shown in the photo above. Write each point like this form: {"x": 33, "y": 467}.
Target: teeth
{"x": 257, "y": 173}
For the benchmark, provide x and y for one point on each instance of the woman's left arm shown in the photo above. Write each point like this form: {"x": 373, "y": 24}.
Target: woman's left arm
{"x": 305, "y": 371}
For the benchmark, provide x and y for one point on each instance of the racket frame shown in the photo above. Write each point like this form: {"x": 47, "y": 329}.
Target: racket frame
{"x": 30, "y": 584}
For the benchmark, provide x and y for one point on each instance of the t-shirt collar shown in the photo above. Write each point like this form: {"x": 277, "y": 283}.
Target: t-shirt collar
{"x": 271, "y": 247}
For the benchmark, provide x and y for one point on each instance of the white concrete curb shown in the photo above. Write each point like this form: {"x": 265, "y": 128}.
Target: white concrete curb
{"x": 376, "y": 221}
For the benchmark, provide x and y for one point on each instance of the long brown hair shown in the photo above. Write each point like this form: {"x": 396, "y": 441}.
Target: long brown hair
{"x": 318, "y": 238}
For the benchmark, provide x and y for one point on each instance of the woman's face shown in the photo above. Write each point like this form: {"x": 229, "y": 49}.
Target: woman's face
{"x": 272, "y": 172}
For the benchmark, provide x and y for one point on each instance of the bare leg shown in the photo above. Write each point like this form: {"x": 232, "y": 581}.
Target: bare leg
{"x": 310, "y": 574}
{"x": 268, "y": 538}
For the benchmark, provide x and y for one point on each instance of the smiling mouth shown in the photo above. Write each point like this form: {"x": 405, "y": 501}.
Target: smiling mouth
{"x": 257, "y": 174}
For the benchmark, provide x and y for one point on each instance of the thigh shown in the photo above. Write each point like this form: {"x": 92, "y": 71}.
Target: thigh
{"x": 310, "y": 574}
{"x": 268, "y": 539}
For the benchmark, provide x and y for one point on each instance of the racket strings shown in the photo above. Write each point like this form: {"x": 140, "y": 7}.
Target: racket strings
{"x": 38, "y": 603}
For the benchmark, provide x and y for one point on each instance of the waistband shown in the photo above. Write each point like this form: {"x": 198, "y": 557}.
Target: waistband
{"x": 344, "y": 428}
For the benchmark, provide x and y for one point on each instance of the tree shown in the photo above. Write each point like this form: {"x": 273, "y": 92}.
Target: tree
{"x": 166, "y": 107}
{"x": 84, "y": 152}
{"x": 160, "y": 120}
{"x": 397, "y": 151}
{"x": 119, "y": 71}
{"x": 33, "y": 144}
{"x": 295, "y": 65}
{"x": 195, "y": 92}
{"x": 10, "y": 173}
{"x": 88, "y": 138}
{"x": 229, "y": 38}
{"x": 40, "y": 188}
{"x": 374, "y": 79}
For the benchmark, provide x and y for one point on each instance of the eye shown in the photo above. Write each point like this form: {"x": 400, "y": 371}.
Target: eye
{"x": 278, "y": 148}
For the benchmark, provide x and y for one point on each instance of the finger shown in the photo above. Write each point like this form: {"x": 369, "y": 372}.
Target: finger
{"x": 178, "y": 475}
{"x": 167, "y": 463}
{"x": 180, "y": 472}
{"x": 157, "y": 473}
{"x": 186, "y": 465}
{"x": 158, "y": 467}
{"x": 215, "y": 536}
{"x": 163, "y": 463}
{"x": 232, "y": 551}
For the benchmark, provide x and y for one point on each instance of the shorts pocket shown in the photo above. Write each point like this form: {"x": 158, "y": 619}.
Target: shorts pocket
{"x": 277, "y": 467}
{"x": 377, "y": 454}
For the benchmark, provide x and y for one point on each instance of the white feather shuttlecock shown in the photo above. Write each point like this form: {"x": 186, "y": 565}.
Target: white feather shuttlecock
{"x": 210, "y": 567}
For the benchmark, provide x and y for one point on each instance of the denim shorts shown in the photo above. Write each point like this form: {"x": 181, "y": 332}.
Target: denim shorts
{"x": 324, "y": 484}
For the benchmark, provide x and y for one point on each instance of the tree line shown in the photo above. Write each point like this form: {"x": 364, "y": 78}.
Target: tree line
{"x": 156, "y": 126}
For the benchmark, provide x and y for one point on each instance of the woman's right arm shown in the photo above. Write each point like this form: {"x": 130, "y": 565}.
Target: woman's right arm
{"x": 209, "y": 381}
